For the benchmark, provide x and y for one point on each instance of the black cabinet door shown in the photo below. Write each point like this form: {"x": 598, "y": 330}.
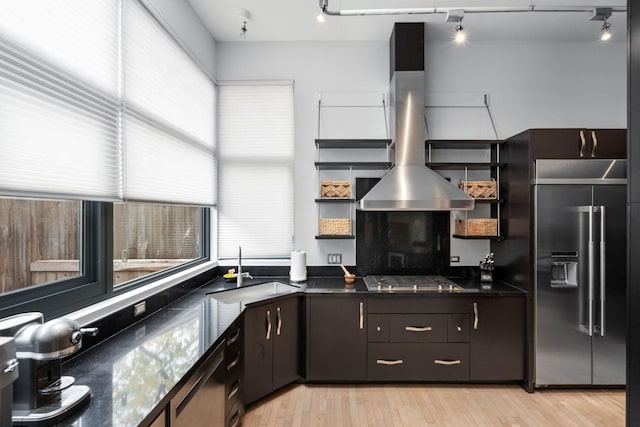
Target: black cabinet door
{"x": 497, "y": 339}
{"x": 608, "y": 143}
{"x": 559, "y": 144}
{"x": 286, "y": 342}
{"x": 336, "y": 338}
{"x": 259, "y": 331}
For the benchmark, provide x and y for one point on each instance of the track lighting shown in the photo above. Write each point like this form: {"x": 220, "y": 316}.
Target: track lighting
{"x": 456, "y": 15}
{"x": 321, "y": 16}
{"x": 602, "y": 14}
{"x": 244, "y": 18}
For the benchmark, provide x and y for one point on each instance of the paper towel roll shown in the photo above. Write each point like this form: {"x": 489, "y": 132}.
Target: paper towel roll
{"x": 298, "y": 272}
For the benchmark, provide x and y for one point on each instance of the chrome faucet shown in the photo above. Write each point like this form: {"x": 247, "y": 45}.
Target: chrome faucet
{"x": 240, "y": 275}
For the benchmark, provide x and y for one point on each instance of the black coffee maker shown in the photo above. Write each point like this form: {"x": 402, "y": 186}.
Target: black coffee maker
{"x": 41, "y": 393}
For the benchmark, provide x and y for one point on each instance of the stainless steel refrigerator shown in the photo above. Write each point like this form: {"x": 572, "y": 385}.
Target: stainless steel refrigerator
{"x": 580, "y": 272}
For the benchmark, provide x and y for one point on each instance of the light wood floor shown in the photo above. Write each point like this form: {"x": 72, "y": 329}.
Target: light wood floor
{"x": 435, "y": 405}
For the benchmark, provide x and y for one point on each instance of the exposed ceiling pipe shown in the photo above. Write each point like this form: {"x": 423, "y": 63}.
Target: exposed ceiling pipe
{"x": 324, "y": 7}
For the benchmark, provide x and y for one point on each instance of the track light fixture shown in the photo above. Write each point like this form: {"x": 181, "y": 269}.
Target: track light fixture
{"x": 602, "y": 14}
{"x": 244, "y": 18}
{"x": 456, "y": 15}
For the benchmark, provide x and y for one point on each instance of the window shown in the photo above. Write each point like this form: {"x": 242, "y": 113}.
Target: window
{"x": 40, "y": 242}
{"x": 256, "y": 170}
{"x": 150, "y": 238}
{"x": 108, "y": 153}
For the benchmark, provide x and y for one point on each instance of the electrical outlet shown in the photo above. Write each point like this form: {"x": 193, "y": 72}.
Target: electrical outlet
{"x": 139, "y": 308}
{"x": 334, "y": 258}
{"x": 455, "y": 258}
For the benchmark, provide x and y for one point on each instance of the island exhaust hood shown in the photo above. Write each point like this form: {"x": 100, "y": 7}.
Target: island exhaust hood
{"x": 410, "y": 185}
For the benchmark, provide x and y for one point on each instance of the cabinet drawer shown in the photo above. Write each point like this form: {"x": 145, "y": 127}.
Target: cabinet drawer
{"x": 458, "y": 328}
{"x": 378, "y": 328}
{"x": 428, "y": 303}
{"x": 418, "y": 362}
{"x": 418, "y": 328}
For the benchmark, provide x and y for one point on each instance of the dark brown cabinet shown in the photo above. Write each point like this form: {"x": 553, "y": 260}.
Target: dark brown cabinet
{"x": 272, "y": 338}
{"x": 336, "y": 338}
{"x": 578, "y": 143}
{"x": 497, "y": 339}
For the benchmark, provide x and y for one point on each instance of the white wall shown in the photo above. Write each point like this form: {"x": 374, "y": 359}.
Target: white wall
{"x": 185, "y": 24}
{"x": 528, "y": 85}
{"x": 315, "y": 68}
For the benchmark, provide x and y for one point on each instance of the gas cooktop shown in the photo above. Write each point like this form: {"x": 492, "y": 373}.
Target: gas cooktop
{"x": 429, "y": 283}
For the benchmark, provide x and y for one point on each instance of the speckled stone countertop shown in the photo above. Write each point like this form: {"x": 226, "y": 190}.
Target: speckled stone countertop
{"x": 136, "y": 371}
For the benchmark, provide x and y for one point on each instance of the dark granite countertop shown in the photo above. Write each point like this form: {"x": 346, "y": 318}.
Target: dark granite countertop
{"x": 136, "y": 371}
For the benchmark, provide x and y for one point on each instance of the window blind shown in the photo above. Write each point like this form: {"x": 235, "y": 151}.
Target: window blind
{"x": 59, "y": 110}
{"x": 255, "y": 202}
{"x": 169, "y": 142}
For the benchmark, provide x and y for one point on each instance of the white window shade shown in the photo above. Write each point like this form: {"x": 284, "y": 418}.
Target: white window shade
{"x": 79, "y": 37}
{"x": 57, "y": 138}
{"x": 169, "y": 120}
{"x": 161, "y": 167}
{"x": 255, "y": 203}
{"x": 162, "y": 81}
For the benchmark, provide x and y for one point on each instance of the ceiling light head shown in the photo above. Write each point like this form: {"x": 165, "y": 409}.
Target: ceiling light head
{"x": 323, "y": 7}
{"x": 244, "y": 16}
{"x": 461, "y": 35}
{"x": 606, "y": 35}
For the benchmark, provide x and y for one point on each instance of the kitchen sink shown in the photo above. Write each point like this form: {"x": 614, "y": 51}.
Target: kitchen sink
{"x": 254, "y": 293}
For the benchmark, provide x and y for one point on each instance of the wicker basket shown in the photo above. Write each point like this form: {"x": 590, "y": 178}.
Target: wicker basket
{"x": 335, "y": 226}
{"x": 484, "y": 190}
{"x": 476, "y": 227}
{"x": 335, "y": 189}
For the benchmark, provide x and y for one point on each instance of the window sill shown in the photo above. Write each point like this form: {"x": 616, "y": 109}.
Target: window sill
{"x": 102, "y": 309}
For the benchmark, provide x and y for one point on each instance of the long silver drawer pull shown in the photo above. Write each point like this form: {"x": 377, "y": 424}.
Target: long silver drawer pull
{"x": 389, "y": 362}
{"x": 361, "y": 315}
{"x": 234, "y": 362}
{"x": 11, "y": 366}
{"x": 447, "y": 362}
{"x": 279, "y": 317}
{"x": 418, "y": 328}
{"x": 233, "y": 338}
{"x": 475, "y": 315}
{"x": 268, "y": 324}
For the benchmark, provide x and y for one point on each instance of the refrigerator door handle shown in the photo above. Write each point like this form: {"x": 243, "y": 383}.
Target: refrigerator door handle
{"x": 591, "y": 270}
{"x": 603, "y": 263}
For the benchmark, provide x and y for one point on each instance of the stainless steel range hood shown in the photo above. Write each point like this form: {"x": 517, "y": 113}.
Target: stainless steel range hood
{"x": 410, "y": 185}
